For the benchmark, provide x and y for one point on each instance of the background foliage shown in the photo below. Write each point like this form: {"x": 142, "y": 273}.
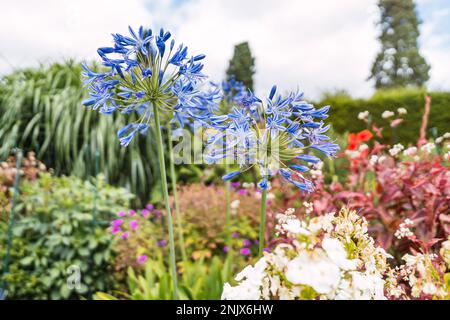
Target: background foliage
{"x": 344, "y": 112}
{"x": 242, "y": 65}
{"x": 56, "y": 229}
{"x": 399, "y": 62}
{"x": 40, "y": 110}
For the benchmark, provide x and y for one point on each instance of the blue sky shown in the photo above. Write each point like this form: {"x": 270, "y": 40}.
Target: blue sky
{"x": 297, "y": 44}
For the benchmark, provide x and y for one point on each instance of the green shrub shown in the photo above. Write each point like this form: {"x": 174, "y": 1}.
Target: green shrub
{"x": 344, "y": 112}
{"x": 198, "y": 280}
{"x": 56, "y": 229}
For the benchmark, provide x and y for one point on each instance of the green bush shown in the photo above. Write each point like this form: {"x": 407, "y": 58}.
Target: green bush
{"x": 344, "y": 112}
{"x": 198, "y": 280}
{"x": 56, "y": 229}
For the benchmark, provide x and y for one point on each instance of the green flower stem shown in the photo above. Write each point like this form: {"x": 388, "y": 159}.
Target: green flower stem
{"x": 228, "y": 213}
{"x": 178, "y": 217}
{"x": 262, "y": 221}
{"x": 162, "y": 166}
{"x": 228, "y": 224}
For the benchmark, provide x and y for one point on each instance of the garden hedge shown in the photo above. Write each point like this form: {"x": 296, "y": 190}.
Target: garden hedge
{"x": 344, "y": 112}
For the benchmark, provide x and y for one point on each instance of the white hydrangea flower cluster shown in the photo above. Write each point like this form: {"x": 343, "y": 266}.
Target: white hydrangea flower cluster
{"x": 410, "y": 152}
{"x": 447, "y": 156}
{"x": 440, "y": 139}
{"x": 404, "y": 230}
{"x": 316, "y": 170}
{"x": 402, "y": 111}
{"x": 363, "y": 115}
{"x": 328, "y": 257}
{"x": 396, "y": 149}
{"x": 445, "y": 251}
{"x": 421, "y": 275}
{"x": 387, "y": 114}
{"x": 248, "y": 185}
{"x": 234, "y": 205}
{"x": 428, "y": 147}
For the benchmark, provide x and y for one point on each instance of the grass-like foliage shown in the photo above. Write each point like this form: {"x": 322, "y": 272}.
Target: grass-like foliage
{"x": 40, "y": 111}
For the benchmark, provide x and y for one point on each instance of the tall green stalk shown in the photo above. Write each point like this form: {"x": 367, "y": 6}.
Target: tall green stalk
{"x": 173, "y": 177}
{"x": 162, "y": 166}
{"x": 228, "y": 224}
{"x": 262, "y": 221}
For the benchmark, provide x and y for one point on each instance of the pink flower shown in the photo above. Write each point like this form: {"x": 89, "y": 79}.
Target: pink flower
{"x": 116, "y": 223}
{"x": 161, "y": 243}
{"x": 142, "y": 259}
{"x": 125, "y": 235}
{"x": 134, "y": 224}
{"x": 145, "y": 213}
{"x": 242, "y": 192}
{"x": 121, "y": 214}
{"x": 115, "y": 230}
{"x": 396, "y": 122}
{"x": 245, "y": 251}
{"x": 150, "y": 207}
{"x": 131, "y": 213}
{"x": 235, "y": 184}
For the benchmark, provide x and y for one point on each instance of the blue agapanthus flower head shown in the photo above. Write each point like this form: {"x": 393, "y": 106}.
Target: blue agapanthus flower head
{"x": 233, "y": 90}
{"x": 277, "y": 135}
{"x": 146, "y": 69}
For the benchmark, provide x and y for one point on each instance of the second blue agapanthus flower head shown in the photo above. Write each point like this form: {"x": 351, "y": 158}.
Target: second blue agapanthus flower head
{"x": 277, "y": 136}
{"x": 146, "y": 69}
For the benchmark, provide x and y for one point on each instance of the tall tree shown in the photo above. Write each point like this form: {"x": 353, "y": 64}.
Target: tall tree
{"x": 399, "y": 62}
{"x": 242, "y": 65}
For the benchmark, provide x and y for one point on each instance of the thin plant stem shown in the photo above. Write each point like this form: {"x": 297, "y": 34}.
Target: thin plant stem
{"x": 173, "y": 177}
{"x": 262, "y": 221}
{"x": 162, "y": 168}
{"x": 228, "y": 223}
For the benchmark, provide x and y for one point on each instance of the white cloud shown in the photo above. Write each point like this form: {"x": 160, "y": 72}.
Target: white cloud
{"x": 313, "y": 45}
{"x": 436, "y": 49}
{"x": 45, "y": 30}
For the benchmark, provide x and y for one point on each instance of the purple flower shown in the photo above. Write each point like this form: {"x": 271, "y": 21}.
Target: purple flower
{"x": 131, "y": 213}
{"x": 116, "y": 223}
{"x": 125, "y": 235}
{"x": 266, "y": 250}
{"x": 235, "y": 235}
{"x": 245, "y": 251}
{"x": 115, "y": 230}
{"x": 134, "y": 224}
{"x": 145, "y": 213}
{"x": 242, "y": 192}
{"x": 161, "y": 243}
{"x": 225, "y": 249}
{"x": 246, "y": 243}
{"x": 157, "y": 214}
{"x": 121, "y": 214}
{"x": 235, "y": 184}
{"x": 150, "y": 206}
{"x": 142, "y": 259}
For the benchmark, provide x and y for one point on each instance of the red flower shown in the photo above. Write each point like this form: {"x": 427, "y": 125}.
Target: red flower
{"x": 353, "y": 141}
{"x": 364, "y": 135}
